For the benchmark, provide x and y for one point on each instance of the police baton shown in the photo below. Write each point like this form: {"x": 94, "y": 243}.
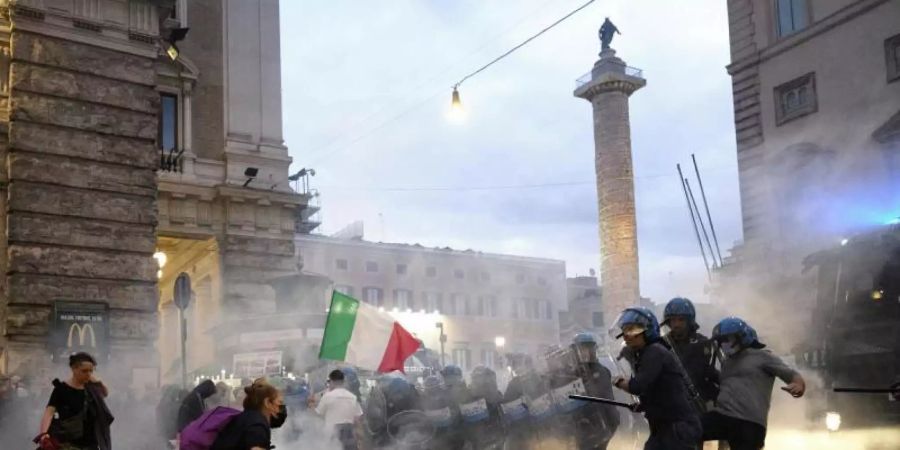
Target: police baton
{"x": 868, "y": 390}
{"x": 605, "y": 401}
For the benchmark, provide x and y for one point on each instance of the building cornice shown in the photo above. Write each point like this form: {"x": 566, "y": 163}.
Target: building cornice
{"x": 785, "y": 44}
{"x": 414, "y": 248}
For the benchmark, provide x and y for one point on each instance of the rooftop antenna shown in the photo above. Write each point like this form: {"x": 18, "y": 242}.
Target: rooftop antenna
{"x": 712, "y": 227}
{"x": 693, "y": 220}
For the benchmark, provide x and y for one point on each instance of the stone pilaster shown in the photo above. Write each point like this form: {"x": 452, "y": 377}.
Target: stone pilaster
{"x": 81, "y": 204}
{"x": 608, "y": 87}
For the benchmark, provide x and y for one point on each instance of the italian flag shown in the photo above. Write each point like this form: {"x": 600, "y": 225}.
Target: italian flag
{"x": 359, "y": 334}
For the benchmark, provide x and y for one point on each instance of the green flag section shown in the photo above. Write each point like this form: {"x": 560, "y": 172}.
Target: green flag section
{"x": 359, "y": 334}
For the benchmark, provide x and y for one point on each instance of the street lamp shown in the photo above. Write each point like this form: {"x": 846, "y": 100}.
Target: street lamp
{"x": 443, "y": 339}
{"x": 500, "y": 342}
{"x": 456, "y": 108}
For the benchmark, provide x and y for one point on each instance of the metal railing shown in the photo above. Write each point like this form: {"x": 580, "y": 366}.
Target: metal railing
{"x": 171, "y": 161}
{"x": 627, "y": 70}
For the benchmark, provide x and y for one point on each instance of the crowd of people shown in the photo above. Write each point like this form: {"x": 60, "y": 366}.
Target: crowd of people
{"x": 689, "y": 388}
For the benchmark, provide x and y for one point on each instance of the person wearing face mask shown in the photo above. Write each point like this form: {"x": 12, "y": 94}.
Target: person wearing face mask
{"x": 696, "y": 351}
{"x": 252, "y": 428}
{"x": 745, "y": 395}
{"x": 341, "y": 410}
{"x": 658, "y": 381}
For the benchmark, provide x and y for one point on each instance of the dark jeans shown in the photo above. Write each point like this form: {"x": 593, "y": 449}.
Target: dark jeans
{"x": 346, "y": 436}
{"x": 681, "y": 435}
{"x": 740, "y": 434}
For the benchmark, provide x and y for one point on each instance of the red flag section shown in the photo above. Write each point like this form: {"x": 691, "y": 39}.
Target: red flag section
{"x": 401, "y": 346}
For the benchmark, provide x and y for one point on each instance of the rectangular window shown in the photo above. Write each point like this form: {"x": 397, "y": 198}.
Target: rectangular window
{"x": 541, "y": 281}
{"x": 168, "y": 122}
{"x": 462, "y": 357}
{"x": 344, "y": 289}
{"x": 403, "y": 299}
{"x": 492, "y": 306}
{"x": 430, "y": 272}
{"x": 487, "y": 357}
{"x": 371, "y": 266}
{"x": 892, "y": 57}
{"x": 459, "y": 274}
{"x": 451, "y": 305}
{"x": 597, "y": 321}
{"x": 520, "y": 278}
{"x": 485, "y": 277}
{"x": 546, "y": 309}
{"x": 341, "y": 264}
{"x": 373, "y": 296}
{"x": 535, "y": 309}
{"x": 401, "y": 269}
{"x": 793, "y": 16}
{"x": 432, "y": 302}
{"x": 795, "y": 99}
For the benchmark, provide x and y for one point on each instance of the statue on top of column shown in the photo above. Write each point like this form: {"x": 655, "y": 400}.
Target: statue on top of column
{"x": 607, "y": 31}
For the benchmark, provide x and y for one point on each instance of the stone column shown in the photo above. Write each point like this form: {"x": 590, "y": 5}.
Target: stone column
{"x": 608, "y": 87}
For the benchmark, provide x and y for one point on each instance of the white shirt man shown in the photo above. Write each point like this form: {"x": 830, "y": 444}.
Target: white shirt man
{"x": 339, "y": 407}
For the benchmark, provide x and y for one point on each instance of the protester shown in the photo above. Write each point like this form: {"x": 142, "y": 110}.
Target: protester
{"x": 82, "y": 419}
{"x": 252, "y": 428}
{"x": 222, "y": 397}
{"x": 194, "y": 404}
{"x": 341, "y": 410}
{"x": 658, "y": 381}
{"x": 748, "y": 374}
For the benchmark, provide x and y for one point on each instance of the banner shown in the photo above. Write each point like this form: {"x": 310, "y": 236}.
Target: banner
{"x": 257, "y": 364}
{"x": 80, "y": 327}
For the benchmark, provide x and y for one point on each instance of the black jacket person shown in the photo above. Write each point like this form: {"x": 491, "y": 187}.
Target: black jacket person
{"x": 659, "y": 383}
{"x": 696, "y": 351}
{"x": 194, "y": 404}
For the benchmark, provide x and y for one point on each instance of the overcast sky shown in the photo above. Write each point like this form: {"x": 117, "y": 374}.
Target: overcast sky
{"x": 367, "y": 87}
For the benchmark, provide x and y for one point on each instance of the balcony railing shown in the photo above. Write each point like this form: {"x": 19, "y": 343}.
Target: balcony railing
{"x": 171, "y": 161}
{"x": 627, "y": 70}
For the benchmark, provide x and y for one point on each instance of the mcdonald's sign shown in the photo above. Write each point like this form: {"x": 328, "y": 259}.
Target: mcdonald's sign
{"x": 80, "y": 326}
{"x": 82, "y": 331}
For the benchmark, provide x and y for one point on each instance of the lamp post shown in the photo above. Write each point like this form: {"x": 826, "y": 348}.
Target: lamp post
{"x": 443, "y": 339}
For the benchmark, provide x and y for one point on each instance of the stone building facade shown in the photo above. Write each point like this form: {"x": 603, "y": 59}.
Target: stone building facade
{"x": 114, "y": 154}
{"x": 816, "y": 93}
{"x": 477, "y": 297}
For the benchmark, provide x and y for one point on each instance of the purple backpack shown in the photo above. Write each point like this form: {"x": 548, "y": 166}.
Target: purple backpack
{"x": 201, "y": 433}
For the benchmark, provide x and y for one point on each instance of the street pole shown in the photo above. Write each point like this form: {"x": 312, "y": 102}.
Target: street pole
{"x": 182, "y": 299}
{"x": 183, "y": 322}
{"x": 443, "y": 339}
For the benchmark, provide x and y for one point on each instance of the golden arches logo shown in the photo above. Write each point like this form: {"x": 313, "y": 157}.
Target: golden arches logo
{"x": 82, "y": 330}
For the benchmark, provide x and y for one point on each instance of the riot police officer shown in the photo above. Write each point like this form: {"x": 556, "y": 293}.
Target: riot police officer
{"x": 458, "y": 394}
{"x": 351, "y": 381}
{"x": 658, "y": 381}
{"x": 595, "y": 424}
{"x": 696, "y": 351}
{"x": 481, "y": 415}
{"x": 436, "y": 404}
{"x": 516, "y": 416}
{"x": 391, "y": 397}
{"x": 748, "y": 374}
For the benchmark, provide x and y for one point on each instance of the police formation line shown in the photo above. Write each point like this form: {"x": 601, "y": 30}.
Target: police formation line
{"x": 690, "y": 389}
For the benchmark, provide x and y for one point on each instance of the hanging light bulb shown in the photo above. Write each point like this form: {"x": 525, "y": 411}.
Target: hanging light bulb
{"x": 456, "y": 108}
